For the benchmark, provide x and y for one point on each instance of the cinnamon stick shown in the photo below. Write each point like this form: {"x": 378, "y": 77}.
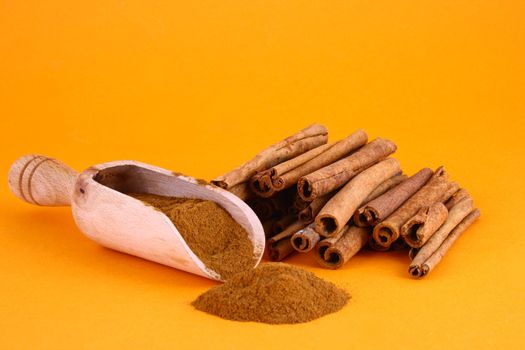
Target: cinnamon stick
{"x": 305, "y": 240}
{"x": 457, "y": 197}
{"x": 306, "y": 139}
{"x": 385, "y": 186}
{"x": 279, "y": 250}
{"x": 326, "y": 243}
{"x": 381, "y": 207}
{"x": 456, "y": 214}
{"x": 436, "y": 189}
{"x": 279, "y": 246}
{"x": 288, "y": 232}
{"x": 418, "y": 229}
{"x": 242, "y": 191}
{"x": 288, "y": 173}
{"x": 309, "y": 213}
{"x": 374, "y": 246}
{"x": 397, "y": 245}
{"x": 346, "y": 247}
{"x": 340, "y": 208}
{"x": 437, "y": 256}
{"x": 339, "y": 173}
{"x": 452, "y": 188}
{"x": 267, "y": 182}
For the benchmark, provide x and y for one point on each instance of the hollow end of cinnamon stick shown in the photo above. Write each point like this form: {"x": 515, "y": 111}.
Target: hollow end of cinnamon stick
{"x": 326, "y": 225}
{"x": 416, "y": 271}
{"x": 339, "y": 252}
{"x": 261, "y": 186}
{"x": 360, "y": 218}
{"x": 412, "y": 238}
{"x": 305, "y": 240}
{"x": 277, "y": 183}
{"x": 374, "y": 246}
{"x": 333, "y": 258}
{"x": 320, "y": 251}
{"x": 417, "y": 230}
{"x": 365, "y": 217}
{"x": 304, "y": 189}
{"x": 384, "y": 235}
{"x": 300, "y": 243}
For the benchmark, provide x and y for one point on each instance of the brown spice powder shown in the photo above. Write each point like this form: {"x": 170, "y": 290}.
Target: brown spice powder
{"x": 209, "y": 230}
{"x": 273, "y": 293}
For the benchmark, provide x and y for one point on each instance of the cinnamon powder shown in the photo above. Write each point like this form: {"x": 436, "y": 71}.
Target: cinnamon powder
{"x": 273, "y": 293}
{"x": 212, "y": 234}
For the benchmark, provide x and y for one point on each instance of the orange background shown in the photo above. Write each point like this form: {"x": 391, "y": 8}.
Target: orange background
{"x": 198, "y": 87}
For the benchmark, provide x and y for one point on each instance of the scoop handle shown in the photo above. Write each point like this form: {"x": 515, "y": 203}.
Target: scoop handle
{"x": 42, "y": 180}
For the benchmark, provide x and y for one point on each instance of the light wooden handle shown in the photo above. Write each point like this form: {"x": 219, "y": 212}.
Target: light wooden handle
{"x": 42, "y": 180}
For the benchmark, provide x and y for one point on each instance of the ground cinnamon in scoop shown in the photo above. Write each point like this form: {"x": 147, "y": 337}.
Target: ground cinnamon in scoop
{"x": 209, "y": 230}
{"x": 273, "y": 293}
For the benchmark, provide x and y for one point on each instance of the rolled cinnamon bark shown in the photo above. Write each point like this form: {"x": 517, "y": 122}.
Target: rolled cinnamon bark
{"x": 279, "y": 250}
{"x": 346, "y": 247}
{"x": 280, "y": 246}
{"x": 374, "y": 246}
{"x": 340, "y": 208}
{"x": 456, "y": 214}
{"x": 305, "y": 240}
{"x": 288, "y": 232}
{"x": 326, "y": 243}
{"x": 452, "y": 188}
{"x": 265, "y": 183}
{"x": 397, "y": 245}
{"x": 309, "y": 213}
{"x": 242, "y": 191}
{"x": 387, "y": 231}
{"x": 381, "y": 207}
{"x": 339, "y": 173}
{"x": 303, "y": 141}
{"x": 288, "y": 173}
{"x": 385, "y": 186}
{"x": 437, "y": 256}
{"x": 418, "y": 229}
{"x": 456, "y": 198}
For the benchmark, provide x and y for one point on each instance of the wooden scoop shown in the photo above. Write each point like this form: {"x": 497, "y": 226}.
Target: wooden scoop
{"x": 104, "y": 213}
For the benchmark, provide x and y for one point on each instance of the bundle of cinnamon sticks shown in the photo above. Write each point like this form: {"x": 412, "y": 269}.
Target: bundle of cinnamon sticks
{"x": 336, "y": 198}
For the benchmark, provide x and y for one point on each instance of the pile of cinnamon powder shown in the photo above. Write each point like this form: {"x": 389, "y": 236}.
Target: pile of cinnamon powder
{"x": 209, "y": 230}
{"x": 273, "y": 293}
